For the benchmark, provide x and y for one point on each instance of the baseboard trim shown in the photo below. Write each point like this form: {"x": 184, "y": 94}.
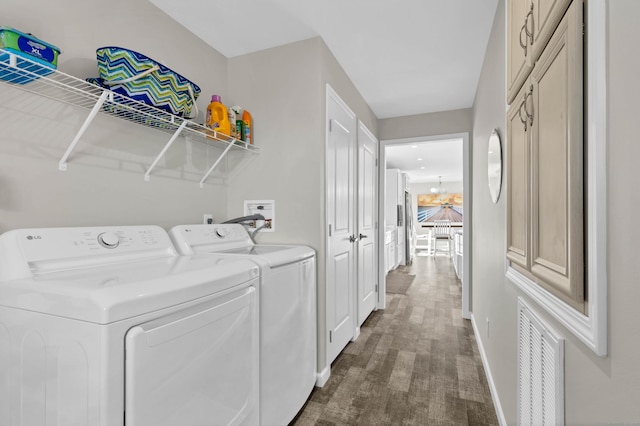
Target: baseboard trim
{"x": 492, "y": 385}
{"x": 323, "y": 376}
{"x": 356, "y": 334}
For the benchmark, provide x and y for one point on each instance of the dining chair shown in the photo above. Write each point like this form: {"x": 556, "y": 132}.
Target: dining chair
{"x": 442, "y": 231}
{"x": 424, "y": 242}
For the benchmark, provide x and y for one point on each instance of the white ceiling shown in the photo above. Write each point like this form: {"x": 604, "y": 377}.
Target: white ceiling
{"x": 428, "y": 161}
{"x": 405, "y": 57}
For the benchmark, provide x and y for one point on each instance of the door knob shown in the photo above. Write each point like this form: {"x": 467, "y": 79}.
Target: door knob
{"x": 353, "y": 238}
{"x": 361, "y": 236}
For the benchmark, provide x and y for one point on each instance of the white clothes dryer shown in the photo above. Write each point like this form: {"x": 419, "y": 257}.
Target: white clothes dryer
{"x": 287, "y": 312}
{"x": 111, "y": 327}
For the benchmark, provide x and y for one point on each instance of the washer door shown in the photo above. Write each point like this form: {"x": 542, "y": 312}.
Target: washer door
{"x": 196, "y": 367}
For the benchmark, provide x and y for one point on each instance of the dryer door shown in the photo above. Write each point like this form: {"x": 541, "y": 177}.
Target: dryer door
{"x": 198, "y": 366}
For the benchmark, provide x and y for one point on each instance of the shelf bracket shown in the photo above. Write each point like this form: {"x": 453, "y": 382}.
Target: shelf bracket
{"x": 62, "y": 165}
{"x": 164, "y": 150}
{"x": 216, "y": 163}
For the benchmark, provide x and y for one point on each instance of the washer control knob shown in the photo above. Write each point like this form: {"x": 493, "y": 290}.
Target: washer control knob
{"x": 108, "y": 240}
{"x": 221, "y": 232}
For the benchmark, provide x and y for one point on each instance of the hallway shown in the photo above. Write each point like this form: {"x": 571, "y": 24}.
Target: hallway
{"x": 415, "y": 363}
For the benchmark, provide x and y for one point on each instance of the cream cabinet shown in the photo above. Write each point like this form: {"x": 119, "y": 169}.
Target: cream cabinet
{"x": 557, "y": 252}
{"x": 545, "y": 234}
{"x": 542, "y": 19}
{"x": 530, "y": 26}
{"x": 518, "y": 65}
{"x": 518, "y": 182}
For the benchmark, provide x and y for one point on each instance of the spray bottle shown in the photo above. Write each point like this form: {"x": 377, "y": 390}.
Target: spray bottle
{"x": 248, "y": 127}
{"x": 237, "y": 125}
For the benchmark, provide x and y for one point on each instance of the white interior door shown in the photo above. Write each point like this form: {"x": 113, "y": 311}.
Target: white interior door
{"x": 367, "y": 222}
{"x": 341, "y": 247}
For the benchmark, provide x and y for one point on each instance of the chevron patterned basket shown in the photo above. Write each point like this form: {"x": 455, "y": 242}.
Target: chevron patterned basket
{"x": 139, "y": 77}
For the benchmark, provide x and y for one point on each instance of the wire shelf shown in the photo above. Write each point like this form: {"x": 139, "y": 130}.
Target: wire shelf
{"x": 30, "y": 76}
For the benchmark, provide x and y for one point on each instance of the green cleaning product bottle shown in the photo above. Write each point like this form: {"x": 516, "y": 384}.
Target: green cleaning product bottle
{"x": 231, "y": 113}
{"x": 235, "y": 118}
{"x": 240, "y": 130}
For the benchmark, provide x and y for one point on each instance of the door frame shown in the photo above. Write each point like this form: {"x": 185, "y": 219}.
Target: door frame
{"x": 466, "y": 221}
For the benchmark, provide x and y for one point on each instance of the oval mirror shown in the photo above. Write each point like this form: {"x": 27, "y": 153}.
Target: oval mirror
{"x": 495, "y": 166}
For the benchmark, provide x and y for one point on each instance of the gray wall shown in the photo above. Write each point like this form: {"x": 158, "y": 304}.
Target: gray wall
{"x": 333, "y": 74}
{"x": 432, "y": 124}
{"x": 492, "y": 296}
{"x": 279, "y": 86}
{"x": 598, "y": 390}
{"x": 104, "y": 183}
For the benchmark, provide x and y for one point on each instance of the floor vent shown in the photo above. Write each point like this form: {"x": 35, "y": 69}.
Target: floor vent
{"x": 540, "y": 371}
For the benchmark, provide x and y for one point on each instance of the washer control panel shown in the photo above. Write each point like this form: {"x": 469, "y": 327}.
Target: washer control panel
{"x": 75, "y": 243}
{"x": 207, "y": 238}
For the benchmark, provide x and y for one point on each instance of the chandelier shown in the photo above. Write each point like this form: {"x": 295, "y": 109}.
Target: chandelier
{"x": 439, "y": 189}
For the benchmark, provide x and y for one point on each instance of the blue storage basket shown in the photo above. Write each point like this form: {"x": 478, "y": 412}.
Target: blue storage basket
{"x": 34, "y": 57}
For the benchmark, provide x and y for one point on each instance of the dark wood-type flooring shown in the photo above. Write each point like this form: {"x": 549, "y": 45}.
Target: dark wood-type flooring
{"x": 415, "y": 362}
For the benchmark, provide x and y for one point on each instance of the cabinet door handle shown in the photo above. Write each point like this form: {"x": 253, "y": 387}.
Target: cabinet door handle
{"x": 526, "y": 24}
{"x": 362, "y": 236}
{"x": 523, "y": 121}
{"x": 526, "y": 110}
{"x": 353, "y": 238}
{"x": 523, "y": 45}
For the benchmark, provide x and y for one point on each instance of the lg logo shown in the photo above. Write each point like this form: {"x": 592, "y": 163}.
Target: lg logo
{"x": 34, "y": 237}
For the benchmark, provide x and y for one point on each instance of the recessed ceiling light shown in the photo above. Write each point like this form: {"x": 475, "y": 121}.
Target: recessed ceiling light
{"x": 419, "y": 159}
{"x": 414, "y": 146}
{"x": 422, "y": 168}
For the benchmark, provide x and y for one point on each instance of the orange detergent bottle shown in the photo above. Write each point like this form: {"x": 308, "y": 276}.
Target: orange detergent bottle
{"x": 248, "y": 126}
{"x": 217, "y": 116}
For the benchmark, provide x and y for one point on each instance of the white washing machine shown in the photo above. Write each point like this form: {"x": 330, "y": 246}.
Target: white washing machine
{"x": 287, "y": 312}
{"x": 111, "y": 327}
